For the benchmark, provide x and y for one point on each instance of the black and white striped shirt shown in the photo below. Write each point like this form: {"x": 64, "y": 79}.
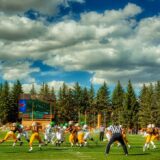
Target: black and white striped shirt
{"x": 115, "y": 129}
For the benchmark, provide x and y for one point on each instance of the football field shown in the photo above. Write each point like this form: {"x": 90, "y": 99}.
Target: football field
{"x": 94, "y": 151}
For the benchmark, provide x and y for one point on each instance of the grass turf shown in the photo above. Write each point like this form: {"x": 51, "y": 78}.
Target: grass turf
{"x": 95, "y": 151}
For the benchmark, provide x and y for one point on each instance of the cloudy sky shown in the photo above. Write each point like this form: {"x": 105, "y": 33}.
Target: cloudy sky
{"x": 85, "y": 41}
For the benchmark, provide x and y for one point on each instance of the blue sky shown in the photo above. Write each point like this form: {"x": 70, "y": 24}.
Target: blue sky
{"x": 85, "y": 41}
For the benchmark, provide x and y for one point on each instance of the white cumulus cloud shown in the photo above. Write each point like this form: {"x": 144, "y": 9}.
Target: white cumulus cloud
{"x": 43, "y": 6}
{"x": 111, "y": 45}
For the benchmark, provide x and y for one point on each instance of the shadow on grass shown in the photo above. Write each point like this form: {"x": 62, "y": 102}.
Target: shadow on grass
{"x": 139, "y": 154}
{"x": 131, "y": 154}
{"x": 61, "y": 148}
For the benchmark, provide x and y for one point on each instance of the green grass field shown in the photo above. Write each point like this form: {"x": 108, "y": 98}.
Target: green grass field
{"x": 95, "y": 151}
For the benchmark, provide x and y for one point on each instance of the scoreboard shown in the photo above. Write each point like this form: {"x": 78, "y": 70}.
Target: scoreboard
{"x": 34, "y": 108}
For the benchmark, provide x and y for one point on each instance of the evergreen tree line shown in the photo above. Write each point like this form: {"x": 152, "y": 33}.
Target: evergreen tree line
{"x": 81, "y": 103}
{"x": 9, "y": 97}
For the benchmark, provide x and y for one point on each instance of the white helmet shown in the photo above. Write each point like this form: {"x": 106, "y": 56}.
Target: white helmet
{"x": 64, "y": 127}
{"x": 108, "y": 128}
{"x": 85, "y": 126}
{"x": 70, "y": 123}
{"x": 34, "y": 124}
{"x": 152, "y": 125}
{"x": 149, "y": 126}
{"x": 48, "y": 125}
{"x": 21, "y": 126}
{"x": 77, "y": 124}
{"x": 14, "y": 124}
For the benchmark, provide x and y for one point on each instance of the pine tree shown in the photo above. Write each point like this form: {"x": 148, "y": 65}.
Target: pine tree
{"x": 77, "y": 95}
{"x": 157, "y": 99}
{"x": 5, "y": 103}
{"x": 91, "y": 99}
{"x": 53, "y": 100}
{"x": 66, "y": 106}
{"x": 53, "y": 95}
{"x": 103, "y": 104}
{"x": 46, "y": 92}
{"x": 33, "y": 91}
{"x": 70, "y": 109}
{"x": 59, "y": 104}
{"x": 149, "y": 112}
{"x": 14, "y": 98}
{"x": 117, "y": 102}
{"x": 130, "y": 113}
{"x": 91, "y": 110}
{"x": 103, "y": 99}
{"x": 42, "y": 91}
{"x": 153, "y": 105}
{"x": 144, "y": 110}
{"x": 85, "y": 101}
{"x": 1, "y": 88}
{"x": 19, "y": 88}
{"x": 62, "y": 105}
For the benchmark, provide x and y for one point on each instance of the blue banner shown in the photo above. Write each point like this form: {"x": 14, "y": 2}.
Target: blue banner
{"x": 22, "y": 105}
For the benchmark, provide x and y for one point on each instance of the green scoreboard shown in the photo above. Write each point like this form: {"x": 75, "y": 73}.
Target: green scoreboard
{"x": 36, "y": 108}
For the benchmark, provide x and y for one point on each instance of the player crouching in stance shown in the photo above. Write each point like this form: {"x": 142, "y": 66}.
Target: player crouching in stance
{"x": 11, "y": 134}
{"x": 35, "y": 135}
{"x": 116, "y": 136}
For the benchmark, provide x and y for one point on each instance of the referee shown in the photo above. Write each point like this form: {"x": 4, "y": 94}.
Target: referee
{"x": 116, "y": 136}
